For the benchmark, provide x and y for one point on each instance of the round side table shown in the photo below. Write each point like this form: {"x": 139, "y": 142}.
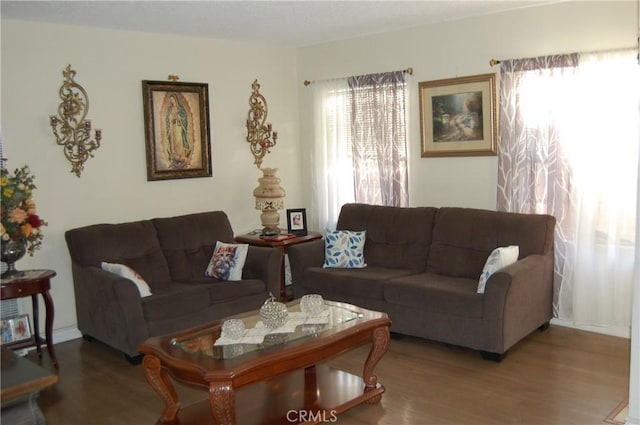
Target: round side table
{"x": 31, "y": 283}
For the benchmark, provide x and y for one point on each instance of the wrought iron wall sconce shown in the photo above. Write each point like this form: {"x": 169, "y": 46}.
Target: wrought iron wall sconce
{"x": 71, "y": 128}
{"x": 260, "y": 136}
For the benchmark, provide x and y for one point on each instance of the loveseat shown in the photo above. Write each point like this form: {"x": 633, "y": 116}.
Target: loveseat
{"x": 171, "y": 255}
{"x": 423, "y": 266}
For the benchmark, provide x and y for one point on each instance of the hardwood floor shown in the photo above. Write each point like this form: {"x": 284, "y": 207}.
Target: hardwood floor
{"x": 559, "y": 376}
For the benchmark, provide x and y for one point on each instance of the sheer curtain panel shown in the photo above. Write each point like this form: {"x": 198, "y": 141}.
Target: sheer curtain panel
{"x": 332, "y": 166}
{"x": 569, "y": 147}
{"x": 378, "y": 128}
{"x": 360, "y": 144}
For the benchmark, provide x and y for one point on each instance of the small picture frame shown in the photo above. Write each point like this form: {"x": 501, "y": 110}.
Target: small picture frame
{"x": 15, "y": 329}
{"x": 297, "y": 221}
{"x": 176, "y": 122}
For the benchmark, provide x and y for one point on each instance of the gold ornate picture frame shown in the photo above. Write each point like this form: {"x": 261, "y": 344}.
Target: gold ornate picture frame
{"x": 176, "y": 118}
{"x": 458, "y": 116}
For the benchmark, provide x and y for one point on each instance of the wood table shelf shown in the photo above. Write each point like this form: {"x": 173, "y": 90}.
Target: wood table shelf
{"x": 31, "y": 283}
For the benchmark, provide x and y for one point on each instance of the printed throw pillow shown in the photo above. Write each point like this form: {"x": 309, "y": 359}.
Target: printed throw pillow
{"x": 344, "y": 249}
{"x": 128, "y": 273}
{"x": 500, "y": 258}
{"x": 227, "y": 261}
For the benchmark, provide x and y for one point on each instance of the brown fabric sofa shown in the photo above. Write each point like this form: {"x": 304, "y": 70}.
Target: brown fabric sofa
{"x": 423, "y": 266}
{"x": 171, "y": 254}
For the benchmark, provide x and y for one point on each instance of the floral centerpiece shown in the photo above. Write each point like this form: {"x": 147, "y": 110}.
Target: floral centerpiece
{"x": 20, "y": 223}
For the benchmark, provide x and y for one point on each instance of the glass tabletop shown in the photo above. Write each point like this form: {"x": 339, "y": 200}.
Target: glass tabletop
{"x": 212, "y": 343}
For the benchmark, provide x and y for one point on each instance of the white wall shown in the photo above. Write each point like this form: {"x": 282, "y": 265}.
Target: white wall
{"x": 461, "y": 48}
{"x": 110, "y": 65}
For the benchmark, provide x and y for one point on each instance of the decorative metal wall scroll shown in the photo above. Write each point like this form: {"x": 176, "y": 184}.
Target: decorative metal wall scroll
{"x": 260, "y": 136}
{"x": 71, "y": 128}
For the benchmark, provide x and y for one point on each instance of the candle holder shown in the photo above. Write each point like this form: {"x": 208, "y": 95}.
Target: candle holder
{"x": 71, "y": 128}
{"x": 260, "y": 136}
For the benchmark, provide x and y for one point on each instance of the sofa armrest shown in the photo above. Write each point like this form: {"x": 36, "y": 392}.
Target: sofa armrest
{"x": 264, "y": 264}
{"x": 517, "y": 300}
{"x": 301, "y": 257}
{"x": 109, "y": 308}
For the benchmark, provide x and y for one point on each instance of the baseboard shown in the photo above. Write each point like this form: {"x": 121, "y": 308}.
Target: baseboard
{"x": 66, "y": 334}
{"x": 620, "y": 331}
{"x": 58, "y": 335}
{"x": 632, "y": 421}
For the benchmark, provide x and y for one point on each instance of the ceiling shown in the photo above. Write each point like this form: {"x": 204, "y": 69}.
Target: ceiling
{"x": 290, "y": 23}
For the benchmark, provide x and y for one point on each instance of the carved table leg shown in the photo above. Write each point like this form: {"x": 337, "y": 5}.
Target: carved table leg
{"x": 159, "y": 380}
{"x": 310, "y": 387}
{"x": 379, "y": 346}
{"x": 36, "y": 323}
{"x": 223, "y": 404}
{"x": 48, "y": 326}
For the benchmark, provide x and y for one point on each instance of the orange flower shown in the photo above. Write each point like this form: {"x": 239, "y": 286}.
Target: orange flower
{"x": 26, "y": 229}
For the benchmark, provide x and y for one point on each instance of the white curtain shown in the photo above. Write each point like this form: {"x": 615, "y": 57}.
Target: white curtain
{"x": 332, "y": 172}
{"x": 359, "y": 150}
{"x": 601, "y": 137}
{"x": 569, "y": 147}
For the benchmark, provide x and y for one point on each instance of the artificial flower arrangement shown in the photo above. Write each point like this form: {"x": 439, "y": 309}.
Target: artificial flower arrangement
{"x": 20, "y": 223}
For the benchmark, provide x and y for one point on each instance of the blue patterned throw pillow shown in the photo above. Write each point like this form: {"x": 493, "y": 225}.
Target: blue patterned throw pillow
{"x": 344, "y": 249}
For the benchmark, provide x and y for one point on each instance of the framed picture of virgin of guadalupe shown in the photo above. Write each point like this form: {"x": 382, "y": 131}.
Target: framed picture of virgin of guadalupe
{"x": 176, "y": 118}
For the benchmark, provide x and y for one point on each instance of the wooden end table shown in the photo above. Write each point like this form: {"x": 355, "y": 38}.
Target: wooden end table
{"x": 282, "y": 245}
{"x": 22, "y": 381}
{"x": 31, "y": 283}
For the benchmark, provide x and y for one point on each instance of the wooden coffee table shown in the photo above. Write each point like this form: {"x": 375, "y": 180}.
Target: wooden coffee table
{"x": 279, "y": 381}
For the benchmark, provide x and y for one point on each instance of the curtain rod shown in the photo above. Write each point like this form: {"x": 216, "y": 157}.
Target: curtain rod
{"x": 494, "y": 62}
{"x": 406, "y": 71}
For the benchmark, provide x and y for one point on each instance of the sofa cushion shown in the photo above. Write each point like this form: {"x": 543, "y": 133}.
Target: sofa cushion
{"x": 227, "y": 261}
{"x": 133, "y": 244}
{"x": 451, "y": 296}
{"x": 463, "y": 238}
{"x": 344, "y": 249}
{"x": 364, "y": 283}
{"x": 220, "y": 290}
{"x": 396, "y": 237}
{"x": 187, "y": 241}
{"x": 174, "y": 301}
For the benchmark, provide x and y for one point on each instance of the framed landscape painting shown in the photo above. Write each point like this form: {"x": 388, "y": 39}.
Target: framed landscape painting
{"x": 176, "y": 118}
{"x": 458, "y": 116}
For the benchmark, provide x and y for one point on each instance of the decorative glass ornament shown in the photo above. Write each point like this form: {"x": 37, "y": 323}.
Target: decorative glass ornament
{"x": 233, "y": 328}
{"x": 273, "y": 313}
{"x": 312, "y": 304}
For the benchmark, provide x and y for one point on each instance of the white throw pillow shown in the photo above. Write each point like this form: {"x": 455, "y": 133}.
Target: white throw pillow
{"x": 227, "y": 261}
{"x": 500, "y": 258}
{"x": 344, "y": 249}
{"x": 128, "y": 273}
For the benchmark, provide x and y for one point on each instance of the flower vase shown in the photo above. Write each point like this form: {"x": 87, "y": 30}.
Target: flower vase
{"x": 11, "y": 252}
{"x": 269, "y": 199}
